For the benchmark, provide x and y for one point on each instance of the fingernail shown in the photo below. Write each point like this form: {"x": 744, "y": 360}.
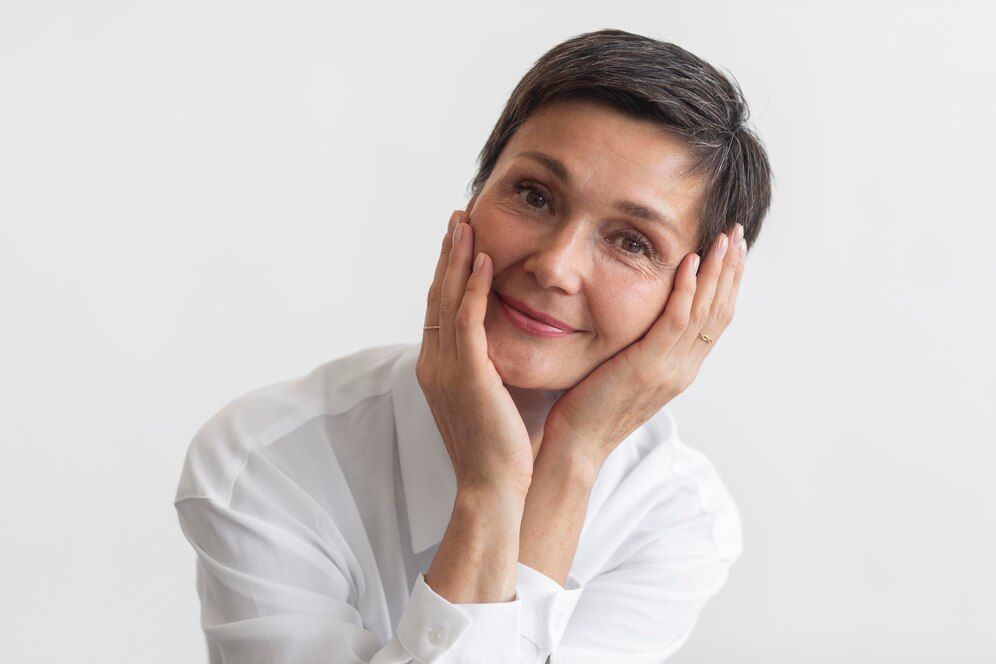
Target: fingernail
{"x": 740, "y": 231}
{"x": 724, "y": 242}
{"x": 743, "y": 248}
{"x": 457, "y": 234}
{"x": 454, "y": 218}
{"x": 479, "y": 261}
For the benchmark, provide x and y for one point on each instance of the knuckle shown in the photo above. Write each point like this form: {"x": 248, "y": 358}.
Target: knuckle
{"x": 700, "y": 315}
{"x": 445, "y": 306}
{"x": 686, "y": 381}
{"x": 422, "y": 375}
{"x": 721, "y": 311}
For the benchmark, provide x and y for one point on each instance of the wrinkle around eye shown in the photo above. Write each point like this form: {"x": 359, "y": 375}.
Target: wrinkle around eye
{"x": 524, "y": 187}
{"x": 512, "y": 198}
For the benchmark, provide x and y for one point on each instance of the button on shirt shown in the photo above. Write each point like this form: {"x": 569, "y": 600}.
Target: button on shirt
{"x": 316, "y": 505}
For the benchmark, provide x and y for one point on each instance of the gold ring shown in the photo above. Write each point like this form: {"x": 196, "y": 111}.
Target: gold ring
{"x": 431, "y": 327}
{"x": 704, "y": 338}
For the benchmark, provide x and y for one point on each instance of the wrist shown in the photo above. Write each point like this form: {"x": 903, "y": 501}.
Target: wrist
{"x": 490, "y": 501}
{"x": 568, "y": 462}
{"x": 477, "y": 556}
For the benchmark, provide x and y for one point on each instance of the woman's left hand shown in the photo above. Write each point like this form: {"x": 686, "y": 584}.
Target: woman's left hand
{"x": 589, "y": 420}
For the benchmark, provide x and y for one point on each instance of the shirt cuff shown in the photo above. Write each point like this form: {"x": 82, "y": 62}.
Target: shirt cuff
{"x": 476, "y": 633}
{"x": 546, "y": 605}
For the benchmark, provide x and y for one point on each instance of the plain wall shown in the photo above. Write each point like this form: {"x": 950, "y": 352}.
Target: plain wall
{"x": 201, "y": 198}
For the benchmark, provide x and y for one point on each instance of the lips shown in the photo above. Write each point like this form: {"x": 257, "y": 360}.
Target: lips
{"x": 534, "y": 314}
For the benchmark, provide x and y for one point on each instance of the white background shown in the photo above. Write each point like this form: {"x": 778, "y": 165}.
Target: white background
{"x": 198, "y": 199}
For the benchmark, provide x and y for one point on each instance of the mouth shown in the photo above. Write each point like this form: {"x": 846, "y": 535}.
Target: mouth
{"x": 532, "y": 321}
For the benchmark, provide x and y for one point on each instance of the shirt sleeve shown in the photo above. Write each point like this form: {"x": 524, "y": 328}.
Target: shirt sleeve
{"x": 270, "y": 593}
{"x": 546, "y": 609}
{"x": 644, "y": 609}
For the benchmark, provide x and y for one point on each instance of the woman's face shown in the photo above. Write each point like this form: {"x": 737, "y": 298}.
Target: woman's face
{"x": 561, "y": 245}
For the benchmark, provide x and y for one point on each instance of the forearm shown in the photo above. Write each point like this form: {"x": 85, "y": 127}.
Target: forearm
{"x": 554, "y": 513}
{"x": 476, "y": 558}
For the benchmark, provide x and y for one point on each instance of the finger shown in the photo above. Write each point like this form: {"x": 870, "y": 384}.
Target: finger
{"x": 471, "y": 340}
{"x": 671, "y": 324}
{"x": 720, "y": 315}
{"x": 708, "y": 280}
{"x": 735, "y": 289}
{"x": 716, "y": 323}
{"x": 454, "y": 287}
{"x": 430, "y": 338}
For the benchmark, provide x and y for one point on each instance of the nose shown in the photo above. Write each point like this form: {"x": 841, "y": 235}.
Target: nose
{"x": 559, "y": 257}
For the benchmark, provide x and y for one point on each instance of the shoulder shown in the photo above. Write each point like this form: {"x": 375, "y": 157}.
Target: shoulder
{"x": 659, "y": 501}
{"x": 693, "y": 486}
{"x": 221, "y": 447}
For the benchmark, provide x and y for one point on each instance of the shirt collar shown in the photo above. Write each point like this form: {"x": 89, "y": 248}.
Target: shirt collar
{"x": 426, "y": 469}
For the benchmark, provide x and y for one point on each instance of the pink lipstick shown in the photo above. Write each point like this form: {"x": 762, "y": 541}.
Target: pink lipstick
{"x": 527, "y": 319}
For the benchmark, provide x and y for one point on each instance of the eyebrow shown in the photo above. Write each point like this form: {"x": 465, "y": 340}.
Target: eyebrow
{"x": 630, "y": 208}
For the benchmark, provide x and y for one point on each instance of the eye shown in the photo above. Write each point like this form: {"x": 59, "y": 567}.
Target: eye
{"x": 633, "y": 240}
{"x": 534, "y": 194}
{"x": 634, "y": 243}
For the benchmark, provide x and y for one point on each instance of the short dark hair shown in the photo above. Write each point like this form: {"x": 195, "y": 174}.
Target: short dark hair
{"x": 650, "y": 79}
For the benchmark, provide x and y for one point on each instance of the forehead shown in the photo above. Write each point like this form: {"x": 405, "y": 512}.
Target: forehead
{"x": 610, "y": 155}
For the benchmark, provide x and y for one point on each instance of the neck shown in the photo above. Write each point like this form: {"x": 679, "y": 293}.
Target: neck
{"x": 534, "y": 406}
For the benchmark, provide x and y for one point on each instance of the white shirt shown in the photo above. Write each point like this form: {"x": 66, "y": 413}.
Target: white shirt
{"x": 315, "y": 506}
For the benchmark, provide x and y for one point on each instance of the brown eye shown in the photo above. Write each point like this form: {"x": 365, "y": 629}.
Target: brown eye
{"x": 636, "y": 245}
{"x": 535, "y": 197}
{"x": 633, "y": 246}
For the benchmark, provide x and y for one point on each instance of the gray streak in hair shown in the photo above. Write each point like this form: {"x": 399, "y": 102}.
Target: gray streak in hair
{"x": 650, "y": 79}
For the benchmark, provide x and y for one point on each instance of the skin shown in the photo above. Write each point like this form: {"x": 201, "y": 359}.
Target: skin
{"x": 564, "y": 250}
{"x": 528, "y": 421}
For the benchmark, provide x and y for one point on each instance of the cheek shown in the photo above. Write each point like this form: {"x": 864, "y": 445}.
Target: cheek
{"x": 623, "y": 320}
{"x": 501, "y": 236}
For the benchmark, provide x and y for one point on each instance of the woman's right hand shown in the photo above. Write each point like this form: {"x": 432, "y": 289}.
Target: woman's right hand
{"x": 480, "y": 425}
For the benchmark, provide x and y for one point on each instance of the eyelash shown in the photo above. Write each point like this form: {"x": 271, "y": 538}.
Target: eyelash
{"x": 528, "y": 185}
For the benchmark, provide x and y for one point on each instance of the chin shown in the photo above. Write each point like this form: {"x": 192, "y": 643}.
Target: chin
{"x": 525, "y": 366}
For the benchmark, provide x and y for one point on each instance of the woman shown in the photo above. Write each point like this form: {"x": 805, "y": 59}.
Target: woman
{"x": 512, "y": 488}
